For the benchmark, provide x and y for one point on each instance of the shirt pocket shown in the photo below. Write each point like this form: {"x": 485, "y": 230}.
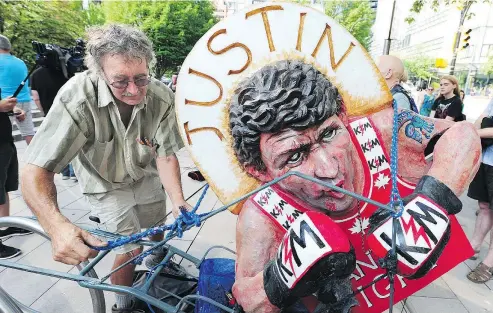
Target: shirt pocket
{"x": 145, "y": 154}
{"x": 103, "y": 158}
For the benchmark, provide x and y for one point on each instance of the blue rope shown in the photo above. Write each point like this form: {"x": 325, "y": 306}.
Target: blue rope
{"x": 185, "y": 219}
{"x": 395, "y": 197}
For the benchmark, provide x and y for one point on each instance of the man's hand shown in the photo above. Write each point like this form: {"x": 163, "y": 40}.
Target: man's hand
{"x": 70, "y": 244}
{"x": 7, "y": 105}
{"x": 176, "y": 207}
{"x": 20, "y": 115}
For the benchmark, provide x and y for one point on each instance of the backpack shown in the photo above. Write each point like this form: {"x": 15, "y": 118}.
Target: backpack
{"x": 398, "y": 88}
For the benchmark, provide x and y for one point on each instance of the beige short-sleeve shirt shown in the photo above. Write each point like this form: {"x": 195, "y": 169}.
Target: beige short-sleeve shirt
{"x": 84, "y": 127}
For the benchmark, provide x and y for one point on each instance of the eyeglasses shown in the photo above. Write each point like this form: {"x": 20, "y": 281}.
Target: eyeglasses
{"x": 122, "y": 84}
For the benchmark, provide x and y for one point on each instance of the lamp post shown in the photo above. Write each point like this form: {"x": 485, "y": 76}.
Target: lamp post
{"x": 463, "y": 14}
{"x": 388, "y": 41}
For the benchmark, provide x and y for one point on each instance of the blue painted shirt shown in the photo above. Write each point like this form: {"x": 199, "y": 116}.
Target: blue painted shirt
{"x": 12, "y": 73}
{"x": 488, "y": 152}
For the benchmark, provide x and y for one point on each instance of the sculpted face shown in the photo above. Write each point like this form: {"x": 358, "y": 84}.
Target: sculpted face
{"x": 325, "y": 152}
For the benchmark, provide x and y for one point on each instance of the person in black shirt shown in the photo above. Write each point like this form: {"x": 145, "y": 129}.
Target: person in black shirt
{"x": 448, "y": 105}
{"x": 9, "y": 176}
{"x": 45, "y": 83}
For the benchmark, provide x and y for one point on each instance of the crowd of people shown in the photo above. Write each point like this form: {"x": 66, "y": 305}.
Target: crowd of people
{"x": 102, "y": 120}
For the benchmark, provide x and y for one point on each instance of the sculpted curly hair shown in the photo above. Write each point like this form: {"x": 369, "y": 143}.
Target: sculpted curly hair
{"x": 285, "y": 94}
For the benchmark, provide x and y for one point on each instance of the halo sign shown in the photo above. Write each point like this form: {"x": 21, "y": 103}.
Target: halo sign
{"x": 241, "y": 44}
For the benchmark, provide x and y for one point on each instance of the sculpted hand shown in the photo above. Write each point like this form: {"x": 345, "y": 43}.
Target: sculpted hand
{"x": 70, "y": 244}
{"x": 176, "y": 207}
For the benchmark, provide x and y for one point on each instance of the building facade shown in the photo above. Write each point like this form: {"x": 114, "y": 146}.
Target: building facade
{"x": 433, "y": 34}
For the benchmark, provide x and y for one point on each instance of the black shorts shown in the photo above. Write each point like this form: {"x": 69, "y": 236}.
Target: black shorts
{"x": 9, "y": 170}
{"x": 481, "y": 187}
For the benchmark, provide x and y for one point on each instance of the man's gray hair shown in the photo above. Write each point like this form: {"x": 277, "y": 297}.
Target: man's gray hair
{"x": 5, "y": 43}
{"x": 115, "y": 39}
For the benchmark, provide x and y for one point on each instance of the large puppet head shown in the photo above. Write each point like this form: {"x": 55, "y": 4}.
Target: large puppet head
{"x": 289, "y": 117}
{"x": 270, "y": 90}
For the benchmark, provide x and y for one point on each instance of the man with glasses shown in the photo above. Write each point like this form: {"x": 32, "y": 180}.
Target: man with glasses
{"x": 118, "y": 127}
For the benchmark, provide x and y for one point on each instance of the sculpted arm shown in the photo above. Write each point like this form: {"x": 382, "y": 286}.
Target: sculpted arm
{"x": 455, "y": 145}
{"x": 256, "y": 244}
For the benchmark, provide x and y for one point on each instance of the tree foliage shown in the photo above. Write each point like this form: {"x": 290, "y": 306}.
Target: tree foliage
{"x": 174, "y": 27}
{"x": 487, "y": 68}
{"x": 356, "y": 16}
{"x": 55, "y": 22}
{"x": 418, "y": 6}
{"x": 420, "y": 67}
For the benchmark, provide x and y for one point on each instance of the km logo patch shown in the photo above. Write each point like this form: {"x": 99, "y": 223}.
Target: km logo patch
{"x": 420, "y": 229}
{"x": 302, "y": 246}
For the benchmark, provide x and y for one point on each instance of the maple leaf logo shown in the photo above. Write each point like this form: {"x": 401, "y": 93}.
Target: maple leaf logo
{"x": 382, "y": 181}
{"x": 360, "y": 225}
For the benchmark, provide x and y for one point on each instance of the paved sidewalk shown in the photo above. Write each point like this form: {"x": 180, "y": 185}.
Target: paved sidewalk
{"x": 452, "y": 293}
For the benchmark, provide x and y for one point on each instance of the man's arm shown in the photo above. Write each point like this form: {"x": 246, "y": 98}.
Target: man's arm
{"x": 169, "y": 173}
{"x": 66, "y": 131}
{"x": 68, "y": 241}
{"x": 35, "y": 96}
{"x": 169, "y": 142}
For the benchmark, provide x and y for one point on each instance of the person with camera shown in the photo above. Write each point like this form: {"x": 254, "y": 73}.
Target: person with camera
{"x": 117, "y": 126}
{"x": 12, "y": 72}
{"x": 45, "y": 84}
{"x": 8, "y": 174}
{"x": 46, "y": 81}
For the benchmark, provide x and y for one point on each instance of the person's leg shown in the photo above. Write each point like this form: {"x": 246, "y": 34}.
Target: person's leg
{"x": 72, "y": 173}
{"x": 478, "y": 190}
{"x": 488, "y": 260}
{"x": 65, "y": 172}
{"x": 26, "y": 126}
{"x": 484, "y": 222}
{"x": 8, "y": 182}
{"x": 484, "y": 271}
{"x": 151, "y": 211}
{"x": 124, "y": 277}
{"x": 5, "y": 207}
{"x": 115, "y": 210}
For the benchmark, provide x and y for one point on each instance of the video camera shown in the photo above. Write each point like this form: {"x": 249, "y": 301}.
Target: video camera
{"x": 68, "y": 60}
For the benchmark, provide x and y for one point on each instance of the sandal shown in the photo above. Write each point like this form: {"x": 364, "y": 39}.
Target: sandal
{"x": 480, "y": 274}
{"x": 475, "y": 256}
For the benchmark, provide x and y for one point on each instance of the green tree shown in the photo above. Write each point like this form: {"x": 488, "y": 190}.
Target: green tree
{"x": 356, "y": 16}
{"x": 418, "y": 6}
{"x": 487, "y": 69}
{"x": 94, "y": 15}
{"x": 55, "y": 22}
{"x": 420, "y": 67}
{"x": 174, "y": 27}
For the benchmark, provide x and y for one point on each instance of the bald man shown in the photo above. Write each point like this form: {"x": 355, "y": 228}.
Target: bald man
{"x": 393, "y": 71}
